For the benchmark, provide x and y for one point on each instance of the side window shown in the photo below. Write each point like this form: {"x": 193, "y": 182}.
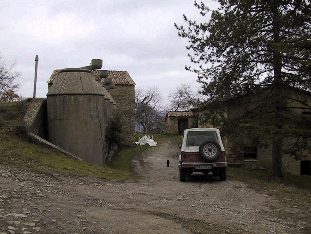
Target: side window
{"x": 250, "y": 153}
{"x": 191, "y": 141}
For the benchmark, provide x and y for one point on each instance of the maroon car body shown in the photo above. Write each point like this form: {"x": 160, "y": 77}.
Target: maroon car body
{"x": 202, "y": 150}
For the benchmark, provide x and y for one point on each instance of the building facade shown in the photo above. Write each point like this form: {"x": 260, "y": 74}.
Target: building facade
{"x": 178, "y": 121}
{"x": 124, "y": 95}
{"x": 248, "y": 149}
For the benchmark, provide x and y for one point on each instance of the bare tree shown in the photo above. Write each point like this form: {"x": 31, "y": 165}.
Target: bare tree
{"x": 148, "y": 107}
{"x": 10, "y": 96}
{"x": 7, "y": 81}
{"x": 183, "y": 98}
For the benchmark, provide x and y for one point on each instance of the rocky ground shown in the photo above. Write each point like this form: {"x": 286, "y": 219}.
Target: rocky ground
{"x": 157, "y": 203}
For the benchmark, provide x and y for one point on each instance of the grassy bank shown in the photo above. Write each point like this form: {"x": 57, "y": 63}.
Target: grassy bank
{"x": 20, "y": 153}
{"x": 292, "y": 190}
{"x": 123, "y": 160}
{"x": 256, "y": 177}
{"x": 17, "y": 151}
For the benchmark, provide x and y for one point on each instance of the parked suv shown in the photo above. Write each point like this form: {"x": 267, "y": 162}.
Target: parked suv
{"x": 202, "y": 151}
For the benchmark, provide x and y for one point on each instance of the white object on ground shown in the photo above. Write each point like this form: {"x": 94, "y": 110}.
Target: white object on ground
{"x": 146, "y": 140}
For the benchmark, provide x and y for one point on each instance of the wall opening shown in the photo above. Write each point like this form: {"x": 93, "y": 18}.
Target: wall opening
{"x": 250, "y": 153}
{"x": 182, "y": 125}
{"x": 305, "y": 167}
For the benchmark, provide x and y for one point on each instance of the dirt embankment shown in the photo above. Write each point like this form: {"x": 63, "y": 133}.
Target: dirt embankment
{"x": 157, "y": 203}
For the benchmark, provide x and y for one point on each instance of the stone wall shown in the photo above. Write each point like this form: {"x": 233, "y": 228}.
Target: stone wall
{"x": 124, "y": 96}
{"x": 172, "y": 123}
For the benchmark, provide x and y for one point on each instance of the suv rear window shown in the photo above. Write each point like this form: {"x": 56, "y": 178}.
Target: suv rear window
{"x": 196, "y": 138}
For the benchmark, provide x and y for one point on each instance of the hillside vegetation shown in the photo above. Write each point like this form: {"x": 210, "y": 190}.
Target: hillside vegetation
{"x": 16, "y": 150}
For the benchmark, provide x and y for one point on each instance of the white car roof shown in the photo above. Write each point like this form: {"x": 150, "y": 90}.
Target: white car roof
{"x": 202, "y": 129}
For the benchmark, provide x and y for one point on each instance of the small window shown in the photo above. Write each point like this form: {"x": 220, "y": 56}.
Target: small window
{"x": 250, "y": 153}
{"x": 305, "y": 167}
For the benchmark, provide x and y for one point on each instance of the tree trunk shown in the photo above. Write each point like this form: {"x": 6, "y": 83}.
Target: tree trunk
{"x": 277, "y": 152}
{"x": 144, "y": 127}
{"x": 277, "y": 100}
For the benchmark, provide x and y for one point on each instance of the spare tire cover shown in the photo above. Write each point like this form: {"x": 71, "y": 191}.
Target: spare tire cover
{"x": 209, "y": 150}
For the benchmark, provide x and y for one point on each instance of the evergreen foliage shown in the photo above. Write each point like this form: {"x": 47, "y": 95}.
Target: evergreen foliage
{"x": 256, "y": 47}
{"x": 114, "y": 137}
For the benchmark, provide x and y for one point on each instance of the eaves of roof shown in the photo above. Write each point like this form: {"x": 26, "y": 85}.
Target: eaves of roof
{"x": 118, "y": 77}
{"x": 180, "y": 114}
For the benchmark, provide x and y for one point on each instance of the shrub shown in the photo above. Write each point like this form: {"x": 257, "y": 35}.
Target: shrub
{"x": 114, "y": 137}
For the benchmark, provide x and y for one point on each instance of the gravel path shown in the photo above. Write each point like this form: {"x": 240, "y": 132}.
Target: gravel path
{"x": 158, "y": 203}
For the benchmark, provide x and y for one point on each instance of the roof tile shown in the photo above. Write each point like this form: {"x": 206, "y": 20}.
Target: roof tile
{"x": 118, "y": 77}
{"x": 180, "y": 114}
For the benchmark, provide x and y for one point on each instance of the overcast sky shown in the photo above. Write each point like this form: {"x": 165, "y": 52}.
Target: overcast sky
{"x": 137, "y": 36}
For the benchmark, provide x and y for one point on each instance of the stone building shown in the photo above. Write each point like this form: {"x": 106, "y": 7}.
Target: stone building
{"x": 178, "y": 121}
{"x": 123, "y": 93}
{"x": 243, "y": 150}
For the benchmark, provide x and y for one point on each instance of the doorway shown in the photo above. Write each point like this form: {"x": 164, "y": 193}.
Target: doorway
{"x": 182, "y": 125}
{"x": 305, "y": 167}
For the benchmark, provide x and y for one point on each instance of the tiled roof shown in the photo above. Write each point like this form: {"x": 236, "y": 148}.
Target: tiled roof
{"x": 121, "y": 77}
{"x": 180, "y": 114}
{"x": 118, "y": 77}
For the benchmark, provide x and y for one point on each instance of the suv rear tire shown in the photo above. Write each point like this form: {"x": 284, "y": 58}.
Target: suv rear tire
{"x": 182, "y": 175}
{"x": 223, "y": 174}
{"x": 209, "y": 150}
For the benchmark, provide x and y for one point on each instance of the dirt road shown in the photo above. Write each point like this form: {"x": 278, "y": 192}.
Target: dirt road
{"x": 158, "y": 203}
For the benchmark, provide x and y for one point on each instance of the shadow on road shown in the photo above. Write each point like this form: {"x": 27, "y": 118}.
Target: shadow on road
{"x": 199, "y": 177}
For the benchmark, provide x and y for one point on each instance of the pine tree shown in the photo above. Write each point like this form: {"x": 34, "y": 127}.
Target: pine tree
{"x": 248, "y": 46}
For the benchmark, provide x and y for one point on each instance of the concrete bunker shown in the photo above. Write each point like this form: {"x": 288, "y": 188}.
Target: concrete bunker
{"x": 78, "y": 109}
{"x": 80, "y": 103}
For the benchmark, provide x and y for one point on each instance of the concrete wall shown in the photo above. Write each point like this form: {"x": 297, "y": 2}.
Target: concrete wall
{"x": 35, "y": 119}
{"x": 35, "y": 123}
{"x": 77, "y": 124}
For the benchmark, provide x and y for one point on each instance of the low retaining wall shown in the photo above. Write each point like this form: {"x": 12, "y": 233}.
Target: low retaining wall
{"x": 35, "y": 123}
